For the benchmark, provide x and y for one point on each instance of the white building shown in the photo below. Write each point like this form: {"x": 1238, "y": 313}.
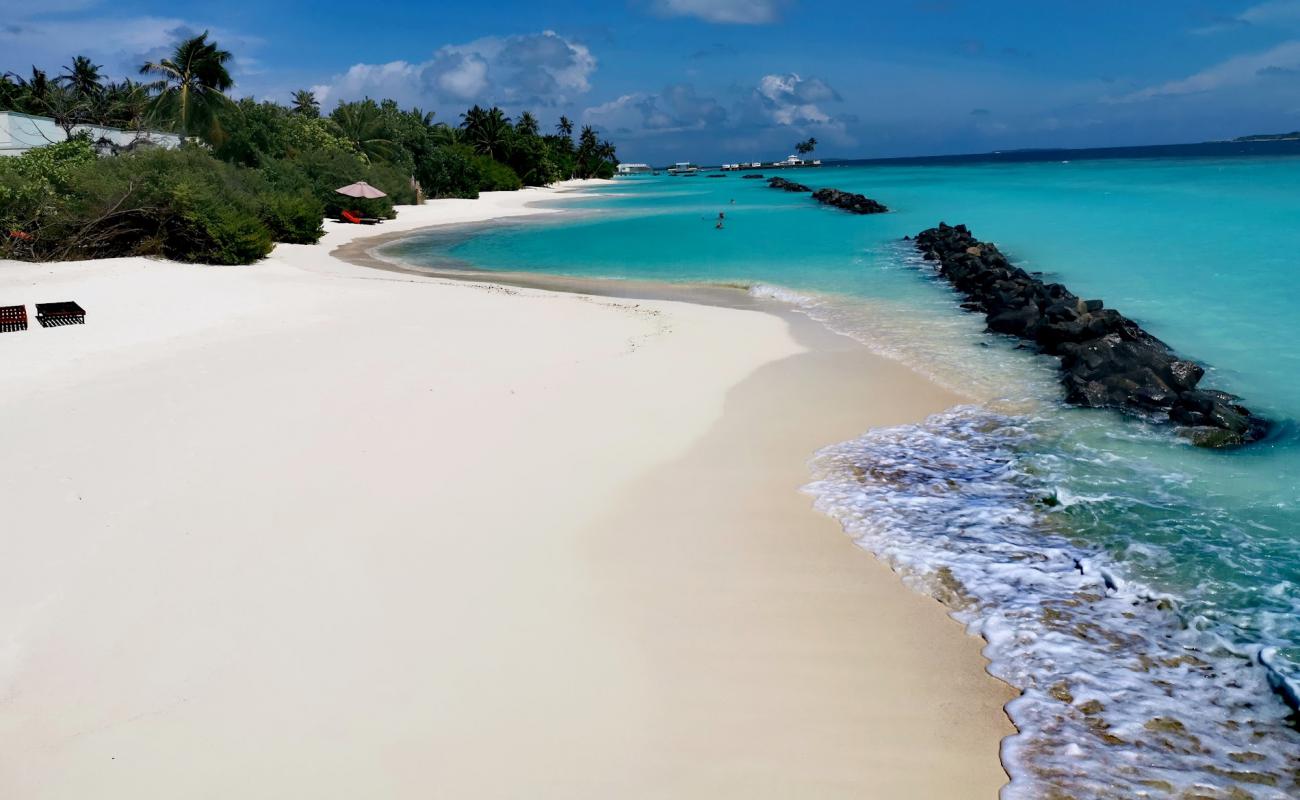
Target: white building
{"x": 21, "y": 132}
{"x": 634, "y": 169}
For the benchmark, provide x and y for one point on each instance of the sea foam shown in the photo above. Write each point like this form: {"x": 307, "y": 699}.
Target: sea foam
{"x": 1123, "y": 693}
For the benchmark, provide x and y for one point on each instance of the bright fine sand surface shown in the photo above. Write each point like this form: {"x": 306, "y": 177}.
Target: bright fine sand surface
{"x": 310, "y": 529}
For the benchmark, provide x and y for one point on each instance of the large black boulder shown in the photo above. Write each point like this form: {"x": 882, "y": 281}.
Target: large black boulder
{"x": 1107, "y": 360}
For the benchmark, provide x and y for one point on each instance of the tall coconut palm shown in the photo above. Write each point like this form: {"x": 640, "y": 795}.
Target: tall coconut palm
{"x": 126, "y": 104}
{"x": 487, "y": 131}
{"x": 305, "y": 103}
{"x": 32, "y": 94}
{"x": 190, "y": 86}
{"x": 445, "y": 135}
{"x": 83, "y": 77}
{"x": 364, "y": 125}
{"x": 10, "y": 93}
{"x": 527, "y": 125}
{"x": 565, "y": 128}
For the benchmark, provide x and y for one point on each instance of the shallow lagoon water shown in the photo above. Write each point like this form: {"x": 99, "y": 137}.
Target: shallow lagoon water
{"x": 1143, "y": 593}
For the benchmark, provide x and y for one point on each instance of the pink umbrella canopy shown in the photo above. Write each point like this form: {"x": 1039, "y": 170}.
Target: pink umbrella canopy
{"x": 361, "y": 189}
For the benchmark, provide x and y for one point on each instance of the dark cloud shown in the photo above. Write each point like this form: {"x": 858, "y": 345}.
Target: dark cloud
{"x": 1277, "y": 72}
{"x": 715, "y": 50}
{"x": 978, "y": 48}
{"x": 676, "y": 107}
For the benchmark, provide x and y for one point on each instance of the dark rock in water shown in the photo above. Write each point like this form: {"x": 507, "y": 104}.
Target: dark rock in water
{"x": 716, "y": 175}
{"x": 752, "y": 176}
{"x": 848, "y": 201}
{"x": 1107, "y": 359}
{"x": 789, "y": 186}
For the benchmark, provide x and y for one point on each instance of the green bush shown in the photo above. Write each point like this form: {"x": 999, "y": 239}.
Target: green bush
{"x": 321, "y": 173}
{"x": 292, "y": 217}
{"x": 31, "y": 184}
{"x": 495, "y": 176}
{"x": 394, "y": 182}
{"x": 181, "y": 204}
{"x": 449, "y": 172}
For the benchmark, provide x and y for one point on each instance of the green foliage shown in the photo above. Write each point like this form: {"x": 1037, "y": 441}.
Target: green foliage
{"x": 265, "y": 171}
{"x": 488, "y": 131}
{"x": 305, "y": 103}
{"x": 366, "y": 127}
{"x": 181, "y": 204}
{"x": 31, "y": 184}
{"x": 190, "y": 86}
{"x": 293, "y": 217}
{"x": 253, "y": 132}
{"x": 449, "y": 171}
{"x": 495, "y": 176}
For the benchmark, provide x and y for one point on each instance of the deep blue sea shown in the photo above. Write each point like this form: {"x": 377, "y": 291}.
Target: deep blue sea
{"x": 1142, "y": 593}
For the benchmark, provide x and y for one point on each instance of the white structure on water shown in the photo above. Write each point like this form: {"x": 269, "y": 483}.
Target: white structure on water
{"x": 635, "y": 169}
{"x": 22, "y": 132}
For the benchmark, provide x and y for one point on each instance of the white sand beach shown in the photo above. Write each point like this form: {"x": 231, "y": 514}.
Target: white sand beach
{"x": 310, "y": 529}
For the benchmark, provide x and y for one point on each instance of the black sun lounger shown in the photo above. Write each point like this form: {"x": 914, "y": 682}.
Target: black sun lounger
{"x": 52, "y": 314}
{"x": 13, "y": 318}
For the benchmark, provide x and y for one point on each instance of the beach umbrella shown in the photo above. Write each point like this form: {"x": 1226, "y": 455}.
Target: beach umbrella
{"x": 361, "y": 189}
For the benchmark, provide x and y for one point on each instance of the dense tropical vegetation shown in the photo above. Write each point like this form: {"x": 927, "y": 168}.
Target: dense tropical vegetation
{"x": 249, "y": 172}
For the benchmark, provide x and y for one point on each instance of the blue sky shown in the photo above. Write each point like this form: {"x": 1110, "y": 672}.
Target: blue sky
{"x": 722, "y": 80}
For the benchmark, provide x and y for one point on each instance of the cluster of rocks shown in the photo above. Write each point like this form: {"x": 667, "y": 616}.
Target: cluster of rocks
{"x": 855, "y": 203}
{"x": 789, "y": 186}
{"x": 753, "y": 176}
{"x": 1107, "y": 360}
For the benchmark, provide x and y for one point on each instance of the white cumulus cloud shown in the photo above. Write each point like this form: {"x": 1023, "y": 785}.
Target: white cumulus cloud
{"x": 726, "y": 12}
{"x": 793, "y": 100}
{"x": 1237, "y": 71}
{"x": 529, "y": 70}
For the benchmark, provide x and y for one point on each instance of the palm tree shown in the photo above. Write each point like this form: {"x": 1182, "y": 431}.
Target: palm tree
{"x": 527, "y": 125}
{"x": 82, "y": 77}
{"x": 31, "y": 93}
{"x": 364, "y": 126}
{"x": 190, "y": 86}
{"x": 565, "y": 128}
{"x": 804, "y": 148}
{"x": 487, "y": 131}
{"x": 305, "y": 103}
{"x": 10, "y": 93}
{"x": 445, "y": 135}
{"x": 125, "y": 104}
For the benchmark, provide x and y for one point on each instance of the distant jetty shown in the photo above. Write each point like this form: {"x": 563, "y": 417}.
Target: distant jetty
{"x": 1270, "y": 137}
{"x": 790, "y": 162}
{"x": 1107, "y": 359}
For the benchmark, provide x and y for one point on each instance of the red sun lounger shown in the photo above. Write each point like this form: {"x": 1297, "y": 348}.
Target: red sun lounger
{"x": 13, "y": 318}
{"x": 356, "y": 219}
{"x": 54, "y": 314}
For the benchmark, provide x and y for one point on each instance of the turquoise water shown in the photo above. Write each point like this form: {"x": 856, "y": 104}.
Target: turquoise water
{"x": 1144, "y": 594}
